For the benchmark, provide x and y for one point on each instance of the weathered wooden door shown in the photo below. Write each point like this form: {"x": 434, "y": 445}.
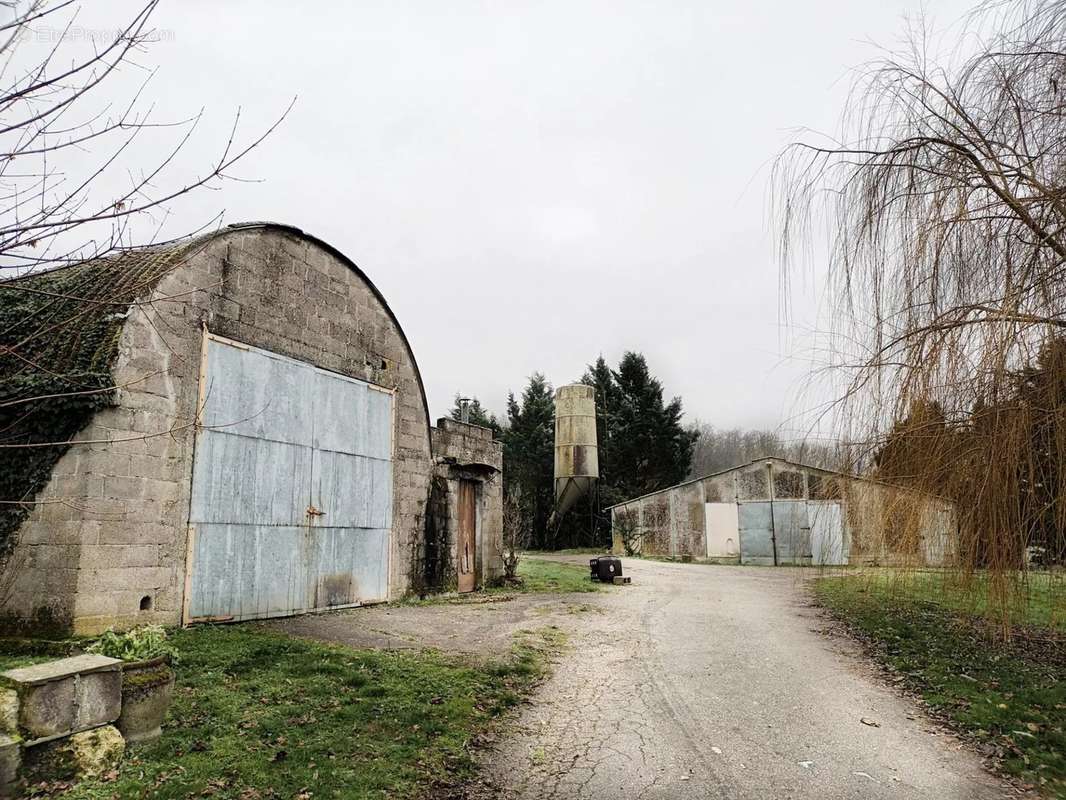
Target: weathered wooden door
{"x": 292, "y": 488}
{"x": 466, "y": 546}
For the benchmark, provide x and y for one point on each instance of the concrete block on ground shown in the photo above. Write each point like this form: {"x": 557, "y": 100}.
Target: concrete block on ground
{"x": 9, "y": 712}
{"x": 67, "y": 695}
{"x": 98, "y": 698}
{"x": 10, "y": 761}
{"x": 47, "y": 709}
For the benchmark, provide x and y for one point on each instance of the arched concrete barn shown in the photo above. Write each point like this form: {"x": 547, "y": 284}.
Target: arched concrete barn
{"x": 772, "y": 512}
{"x": 249, "y": 437}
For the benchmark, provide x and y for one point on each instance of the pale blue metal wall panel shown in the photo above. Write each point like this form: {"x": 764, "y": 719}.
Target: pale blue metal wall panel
{"x": 792, "y": 532}
{"x": 340, "y": 419}
{"x": 342, "y": 489}
{"x": 350, "y": 565}
{"x": 380, "y": 494}
{"x": 243, "y": 571}
{"x": 258, "y": 394}
{"x": 288, "y": 437}
{"x": 379, "y": 425}
{"x": 243, "y": 480}
{"x": 756, "y": 533}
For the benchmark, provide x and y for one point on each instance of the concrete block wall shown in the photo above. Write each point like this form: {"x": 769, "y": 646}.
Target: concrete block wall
{"x": 108, "y": 544}
{"x": 463, "y": 451}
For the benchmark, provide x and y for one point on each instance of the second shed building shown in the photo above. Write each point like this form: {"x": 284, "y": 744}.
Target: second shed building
{"x": 775, "y": 512}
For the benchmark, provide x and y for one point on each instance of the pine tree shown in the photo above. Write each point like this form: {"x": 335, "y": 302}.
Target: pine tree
{"x": 650, "y": 448}
{"x": 528, "y": 453}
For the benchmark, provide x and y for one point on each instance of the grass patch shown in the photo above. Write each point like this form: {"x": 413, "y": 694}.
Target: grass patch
{"x": 260, "y": 715}
{"x": 1007, "y": 695}
{"x": 21, "y": 652}
{"x": 541, "y": 575}
{"x": 536, "y": 574}
{"x": 1034, "y": 599}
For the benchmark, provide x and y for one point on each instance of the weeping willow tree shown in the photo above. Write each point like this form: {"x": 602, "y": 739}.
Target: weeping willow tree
{"x": 944, "y": 197}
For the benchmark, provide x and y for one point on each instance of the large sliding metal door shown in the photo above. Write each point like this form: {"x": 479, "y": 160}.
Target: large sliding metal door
{"x": 292, "y": 488}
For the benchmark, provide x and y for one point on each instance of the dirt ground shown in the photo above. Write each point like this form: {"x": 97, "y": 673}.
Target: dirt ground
{"x": 482, "y": 626}
{"x": 694, "y": 682}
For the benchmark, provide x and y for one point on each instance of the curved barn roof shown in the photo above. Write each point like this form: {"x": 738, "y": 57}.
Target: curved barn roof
{"x": 59, "y": 334}
{"x": 64, "y": 322}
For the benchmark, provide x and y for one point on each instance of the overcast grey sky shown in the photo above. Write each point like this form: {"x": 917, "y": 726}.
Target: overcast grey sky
{"x": 534, "y": 183}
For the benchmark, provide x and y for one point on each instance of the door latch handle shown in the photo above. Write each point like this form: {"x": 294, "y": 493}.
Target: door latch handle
{"x": 314, "y": 512}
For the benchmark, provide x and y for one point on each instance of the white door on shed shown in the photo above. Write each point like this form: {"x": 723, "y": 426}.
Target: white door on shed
{"x": 292, "y": 488}
{"x": 827, "y": 533}
{"x": 722, "y": 521}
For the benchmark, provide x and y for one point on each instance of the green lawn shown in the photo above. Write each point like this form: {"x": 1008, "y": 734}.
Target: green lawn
{"x": 541, "y": 575}
{"x": 16, "y": 652}
{"x": 260, "y": 715}
{"x": 1034, "y": 599}
{"x": 536, "y": 574}
{"x": 1009, "y": 695}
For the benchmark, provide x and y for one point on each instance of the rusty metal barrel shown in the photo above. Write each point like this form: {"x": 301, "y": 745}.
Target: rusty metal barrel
{"x": 577, "y": 465}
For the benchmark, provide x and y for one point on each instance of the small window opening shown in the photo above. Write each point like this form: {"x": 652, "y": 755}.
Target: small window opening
{"x": 146, "y": 603}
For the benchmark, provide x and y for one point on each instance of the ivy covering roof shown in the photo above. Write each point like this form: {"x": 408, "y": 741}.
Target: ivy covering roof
{"x": 59, "y": 333}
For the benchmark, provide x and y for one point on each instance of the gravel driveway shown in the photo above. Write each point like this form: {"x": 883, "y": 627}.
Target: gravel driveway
{"x": 717, "y": 682}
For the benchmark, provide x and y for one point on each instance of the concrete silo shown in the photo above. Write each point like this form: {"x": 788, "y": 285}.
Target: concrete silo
{"x": 577, "y": 464}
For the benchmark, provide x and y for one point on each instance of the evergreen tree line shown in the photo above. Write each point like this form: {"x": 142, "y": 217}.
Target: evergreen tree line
{"x": 643, "y": 447}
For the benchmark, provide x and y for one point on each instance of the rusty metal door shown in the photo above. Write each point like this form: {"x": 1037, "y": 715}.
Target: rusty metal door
{"x": 292, "y": 488}
{"x": 466, "y": 545}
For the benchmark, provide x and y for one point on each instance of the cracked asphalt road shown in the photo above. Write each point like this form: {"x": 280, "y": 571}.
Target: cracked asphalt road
{"x": 716, "y": 682}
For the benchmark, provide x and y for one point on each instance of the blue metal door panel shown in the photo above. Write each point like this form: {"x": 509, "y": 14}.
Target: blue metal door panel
{"x": 792, "y": 532}
{"x": 283, "y": 441}
{"x": 352, "y": 485}
{"x": 379, "y": 425}
{"x": 756, "y": 533}
{"x": 244, "y": 572}
{"x": 380, "y": 496}
{"x": 243, "y": 480}
{"x": 342, "y": 489}
{"x": 254, "y": 393}
{"x": 340, "y": 420}
{"x": 350, "y": 565}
